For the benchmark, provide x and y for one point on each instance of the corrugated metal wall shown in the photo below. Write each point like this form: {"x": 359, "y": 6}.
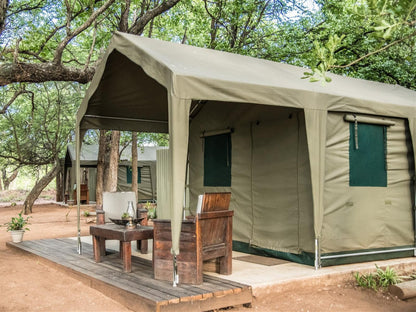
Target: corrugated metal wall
{"x": 163, "y": 178}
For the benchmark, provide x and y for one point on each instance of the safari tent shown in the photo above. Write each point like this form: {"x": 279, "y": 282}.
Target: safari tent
{"x": 316, "y": 171}
{"x": 88, "y": 167}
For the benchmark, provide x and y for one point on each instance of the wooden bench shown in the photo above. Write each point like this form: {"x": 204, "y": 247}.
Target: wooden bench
{"x": 206, "y": 236}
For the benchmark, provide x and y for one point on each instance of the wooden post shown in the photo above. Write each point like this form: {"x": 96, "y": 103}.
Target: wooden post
{"x": 142, "y": 245}
{"x": 96, "y": 245}
{"x": 125, "y": 249}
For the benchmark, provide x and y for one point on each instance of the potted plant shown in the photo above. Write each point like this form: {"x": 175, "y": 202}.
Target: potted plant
{"x": 17, "y": 227}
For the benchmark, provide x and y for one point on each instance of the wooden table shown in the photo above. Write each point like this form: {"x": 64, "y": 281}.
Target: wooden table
{"x": 118, "y": 232}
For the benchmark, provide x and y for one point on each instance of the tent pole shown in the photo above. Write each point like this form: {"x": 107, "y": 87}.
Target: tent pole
{"x": 78, "y": 181}
{"x": 175, "y": 271}
{"x": 414, "y": 227}
{"x": 317, "y": 255}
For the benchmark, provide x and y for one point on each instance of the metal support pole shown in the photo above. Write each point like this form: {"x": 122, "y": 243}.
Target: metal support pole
{"x": 317, "y": 255}
{"x": 414, "y": 226}
{"x": 365, "y": 253}
{"x": 78, "y": 181}
{"x": 175, "y": 271}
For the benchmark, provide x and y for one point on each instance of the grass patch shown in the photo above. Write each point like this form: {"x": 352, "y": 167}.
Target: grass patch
{"x": 381, "y": 279}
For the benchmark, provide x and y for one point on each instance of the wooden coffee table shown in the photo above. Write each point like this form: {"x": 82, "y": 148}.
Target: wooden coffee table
{"x": 100, "y": 233}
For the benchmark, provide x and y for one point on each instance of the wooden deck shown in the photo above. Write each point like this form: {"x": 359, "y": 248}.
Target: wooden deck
{"x": 137, "y": 290}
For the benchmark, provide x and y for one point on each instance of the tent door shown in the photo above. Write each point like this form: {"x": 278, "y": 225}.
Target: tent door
{"x": 275, "y": 184}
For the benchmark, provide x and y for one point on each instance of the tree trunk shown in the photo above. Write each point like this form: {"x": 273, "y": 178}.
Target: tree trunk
{"x": 134, "y": 158}
{"x": 60, "y": 185}
{"x": 106, "y": 159}
{"x": 110, "y": 184}
{"x": 8, "y": 180}
{"x": 100, "y": 170}
{"x": 38, "y": 188}
{"x": 4, "y": 5}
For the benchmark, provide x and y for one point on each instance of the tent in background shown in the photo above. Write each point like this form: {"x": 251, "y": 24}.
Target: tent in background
{"x": 288, "y": 149}
{"x": 88, "y": 161}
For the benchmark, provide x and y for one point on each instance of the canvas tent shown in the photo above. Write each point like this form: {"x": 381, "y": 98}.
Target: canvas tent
{"x": 285, "y": 143}
{"x": 88, "y": 161}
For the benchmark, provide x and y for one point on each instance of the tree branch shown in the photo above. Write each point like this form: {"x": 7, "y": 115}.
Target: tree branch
{"x": 14, "y": 97}
{"x": 375, "y": 52}
{"x": 140, "y": 24}
{"x": 25, "y": 72}
{"x": 70, "y": 35}
{"x": 94, "y": 36}
{"x": 124, "y": 19}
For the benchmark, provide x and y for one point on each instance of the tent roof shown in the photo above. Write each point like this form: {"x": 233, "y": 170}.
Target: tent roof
{"x": 89, "y": 154}
{"x": 130, "y": 88}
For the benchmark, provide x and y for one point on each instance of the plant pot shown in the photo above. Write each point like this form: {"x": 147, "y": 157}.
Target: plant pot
{"x": 17, "y": 235}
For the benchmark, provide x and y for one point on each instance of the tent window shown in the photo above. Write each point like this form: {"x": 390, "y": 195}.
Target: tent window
{"x": 217, "y": 160}
{"x": 368, "y": 155}
{"x": 130, "y": 175}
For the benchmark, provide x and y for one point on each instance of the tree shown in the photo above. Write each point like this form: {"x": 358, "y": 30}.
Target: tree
{"x": 7, "y": 179}
{"x": 99, "y": 188}
{"x": 63, "y": 45}
{"x": 35, "y": 134}
{"x": 111, "y": 163}
{"x": 366, "y": 38}
{"x": 49, "y": 48}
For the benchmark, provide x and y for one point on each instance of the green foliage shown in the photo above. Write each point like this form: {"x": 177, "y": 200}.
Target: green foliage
{"x": 366, "y": 280}
{"x": 18, "y": 223}
{"x": 37, "y": 133}
{"x": 381, "y": 278}
{"x": 151, "y": 210}
{"x": 368, "y": 39}
{"x": 387, "y": 277}
{"x": 125, "y": 215}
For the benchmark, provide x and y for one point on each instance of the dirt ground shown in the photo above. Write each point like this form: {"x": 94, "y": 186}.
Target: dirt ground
{"x": 28, "y": 285}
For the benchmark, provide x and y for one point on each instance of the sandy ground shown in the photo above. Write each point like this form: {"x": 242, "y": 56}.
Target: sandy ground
{"x": 28, "y": 285}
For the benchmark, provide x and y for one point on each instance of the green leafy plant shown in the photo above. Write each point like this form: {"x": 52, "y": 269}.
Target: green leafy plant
{"x": 151, "y": 210}
{"x": 387, "y": 277}
{"x": 125, "y": 215}
{"x": 18, "y": 223}
{"x": 381, "y": 278}
{"x": 86, "y": 213}
{"x": 366, "y": 280}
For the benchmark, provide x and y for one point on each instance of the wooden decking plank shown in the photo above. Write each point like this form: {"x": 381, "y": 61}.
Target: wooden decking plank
{"x": 119, "y": 280}
{"x": 220, "y": 281}
{"x": 156, "y": 295}
{"x": 109, "y": 270}
{"x": 227, "y": 287}
{"x": 85, "y": 266}
{"x": 162, "y": 286}
{"x": 107, "y": 274}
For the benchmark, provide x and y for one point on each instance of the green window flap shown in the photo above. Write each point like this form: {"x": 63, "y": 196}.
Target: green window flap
{"x": 217, "y": 160}
{"x": 368, "y": 155}
{"x": 130, "y": 175}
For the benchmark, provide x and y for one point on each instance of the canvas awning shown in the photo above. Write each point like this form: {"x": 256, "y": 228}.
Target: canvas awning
{"x": 149, "y": 85}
